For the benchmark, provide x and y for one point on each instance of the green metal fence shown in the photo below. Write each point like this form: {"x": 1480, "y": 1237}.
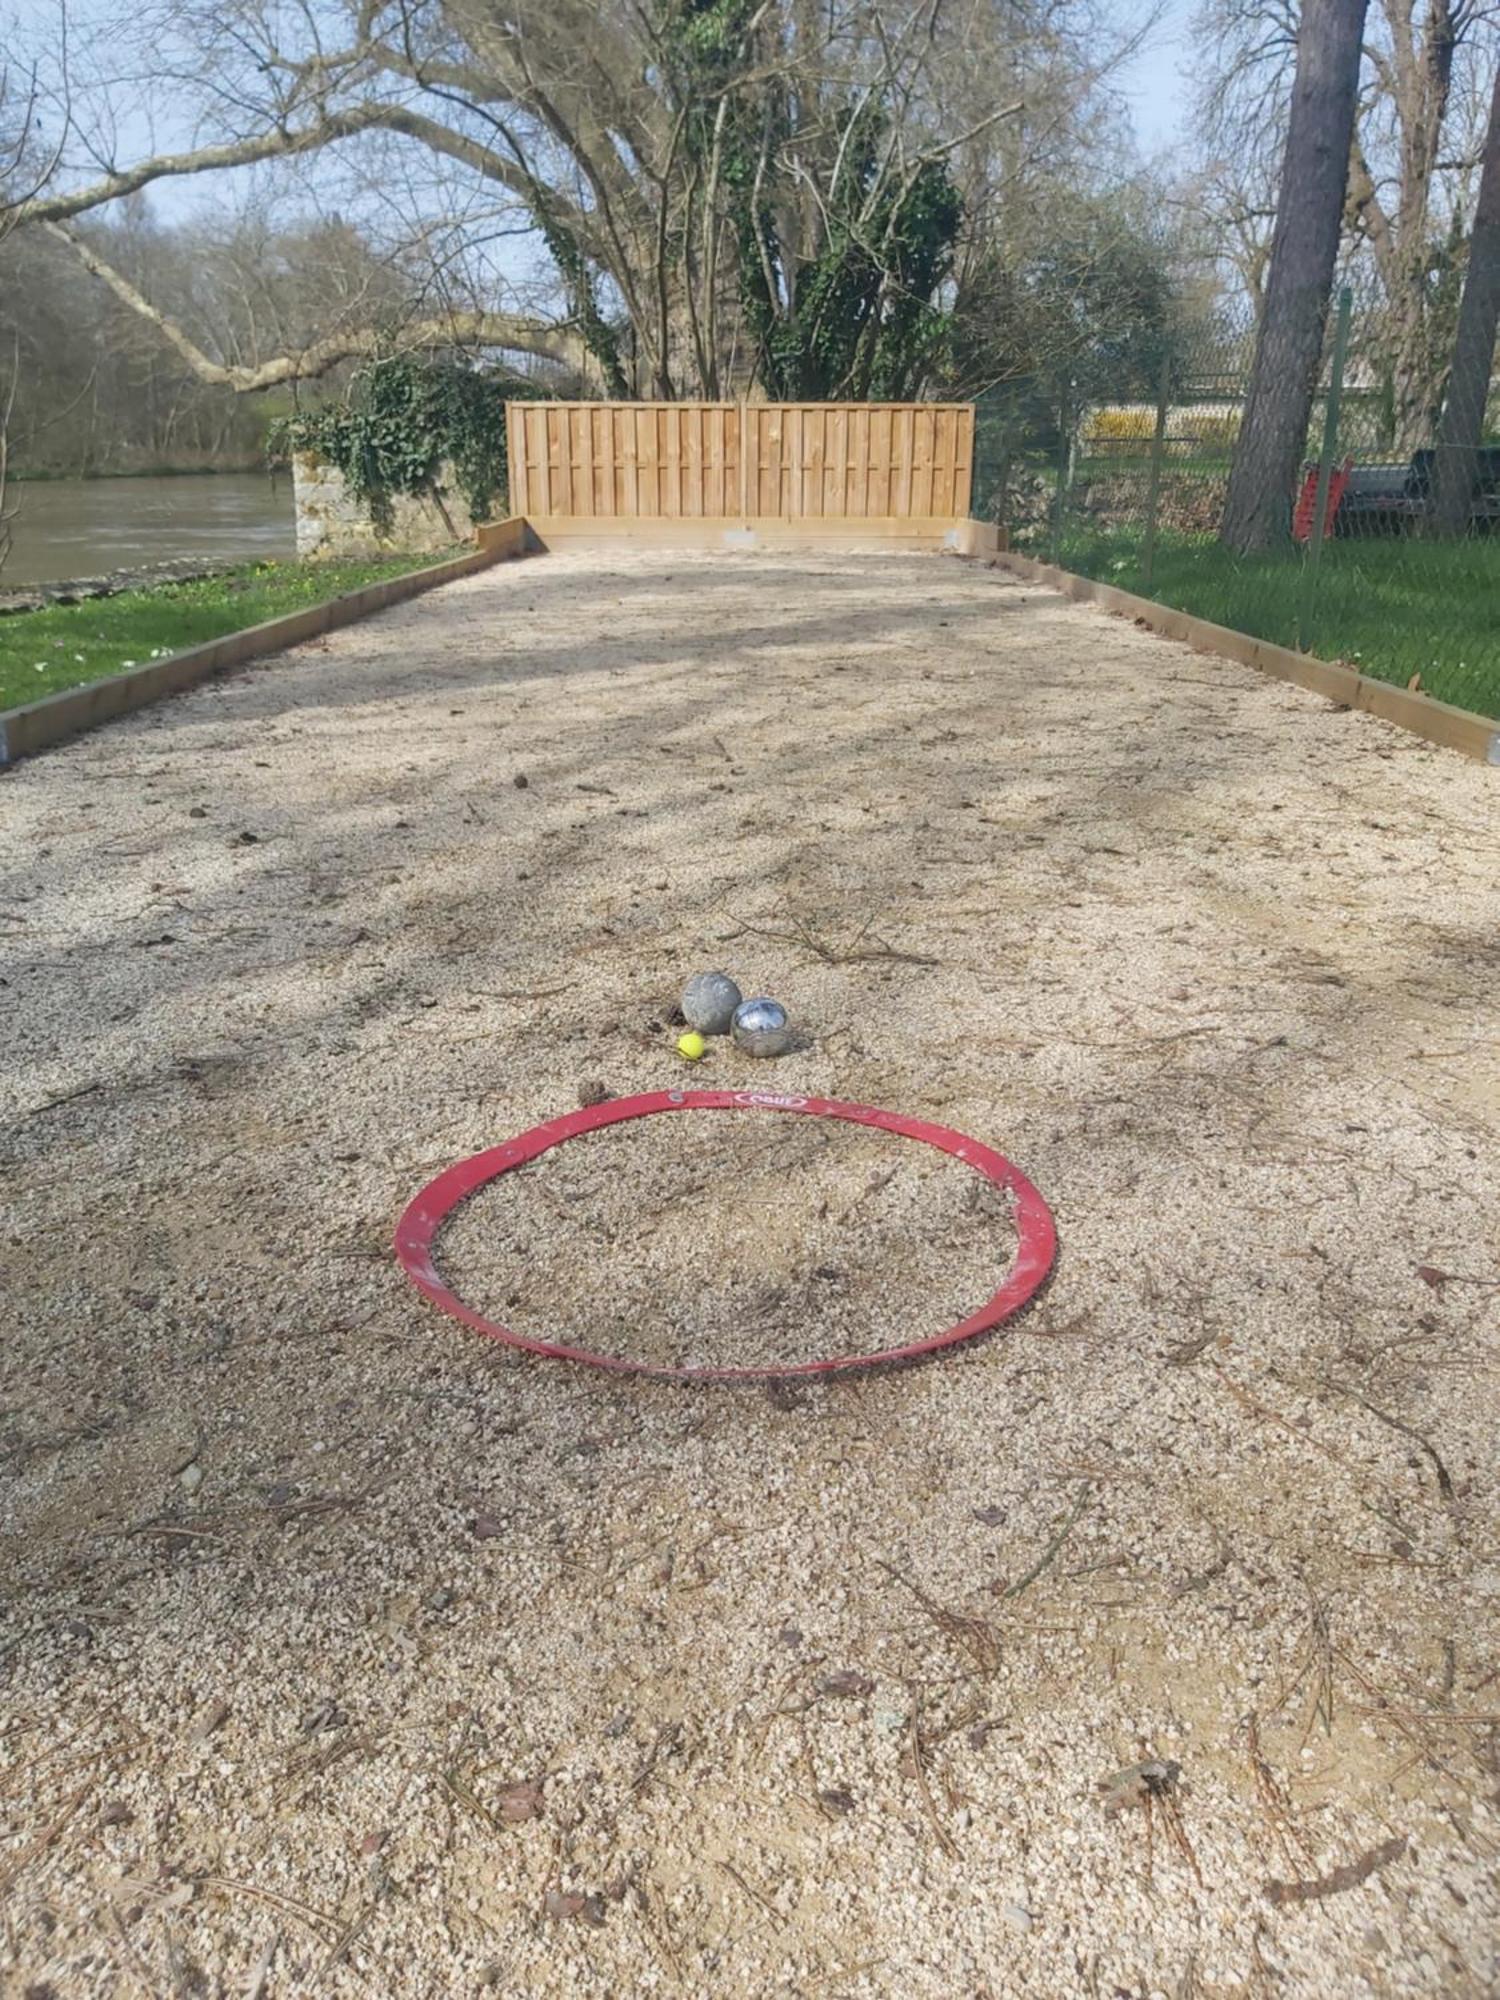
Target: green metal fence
{"x": 1125, "y": 481}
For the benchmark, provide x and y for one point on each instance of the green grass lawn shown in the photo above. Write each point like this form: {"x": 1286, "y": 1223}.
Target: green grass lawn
{"x": 1391, "y": 606}
{"x": 66, "y": 645}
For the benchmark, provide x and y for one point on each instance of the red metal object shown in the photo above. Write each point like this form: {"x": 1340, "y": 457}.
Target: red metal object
{"x": 1307, "y": 501}
{"x": 417, "y": 1230}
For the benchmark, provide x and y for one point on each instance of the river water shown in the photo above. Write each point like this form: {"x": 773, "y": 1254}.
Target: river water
{"x": 85, "y": 527}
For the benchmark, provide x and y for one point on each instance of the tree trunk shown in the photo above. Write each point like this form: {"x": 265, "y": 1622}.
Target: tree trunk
{"x": 1289, "y": 343}
{"x": 1462, "y": 426}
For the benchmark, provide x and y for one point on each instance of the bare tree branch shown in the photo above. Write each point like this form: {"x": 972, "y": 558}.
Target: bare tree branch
{"x": 457, "y": 329}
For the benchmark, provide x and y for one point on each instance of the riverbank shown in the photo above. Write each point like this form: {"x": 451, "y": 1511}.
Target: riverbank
{"x": 87, "y": 589}
{"x": 48, "y": 475}
{"x": 66, "y": 645}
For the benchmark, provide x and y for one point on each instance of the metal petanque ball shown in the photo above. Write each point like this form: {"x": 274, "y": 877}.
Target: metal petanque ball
{"x": 708, "y": 1002}
{"x": 760, "y": 1028}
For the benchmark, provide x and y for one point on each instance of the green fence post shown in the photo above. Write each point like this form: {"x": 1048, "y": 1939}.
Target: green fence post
{"x": 1064, "y": 458}
{"x": 1153, "y": 484}
{"x": 1325, "y": 470}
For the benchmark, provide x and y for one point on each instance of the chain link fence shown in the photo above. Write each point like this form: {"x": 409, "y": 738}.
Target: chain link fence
{"x": 1125, "y": 480}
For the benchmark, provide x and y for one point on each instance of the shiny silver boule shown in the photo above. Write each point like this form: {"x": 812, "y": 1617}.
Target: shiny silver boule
{"x": 754, "y": 1015}
{"x": 709, "y": 1001}
{"x": 760, "y": 1028}
{"x": 767, "y": 1041}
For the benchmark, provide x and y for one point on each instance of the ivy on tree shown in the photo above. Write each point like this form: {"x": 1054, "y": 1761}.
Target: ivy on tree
{"x": 859, "y": 318}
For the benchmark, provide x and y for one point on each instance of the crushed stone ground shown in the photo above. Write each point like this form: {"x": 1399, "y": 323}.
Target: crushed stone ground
{"x": 347, "y": 1652}
{"x": 726, "y": 1240}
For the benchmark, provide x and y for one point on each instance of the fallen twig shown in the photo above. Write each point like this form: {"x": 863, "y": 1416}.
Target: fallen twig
{"x": 830, "y": 954}
{"x": 304, "y": 1912}
{"x": 754, "y": 1894}
{"x": 343, "y": 1944}
{"x": 1049, "y": 1553}
{"x": 45, "y": 1838}
{"x": 68, "y": 1097}
{"x": 945, "y": 1839}
{"x": 260, "y": 1972}
{"x": 972, "y": 1633}
{"x": 1445, "y": 1484}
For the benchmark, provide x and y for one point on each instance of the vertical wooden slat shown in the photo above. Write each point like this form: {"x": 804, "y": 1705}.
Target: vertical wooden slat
{"x": 515, "y": 480}
{"x": 546, "y": 457}
{"x": 963, "y": 471}
{"x": 672, "y": 452}
{"x": 942, "y": 461}
{"x": 715, "y": 463}
{"x": 536, "y": 458}
{"x": 583, "y": 439}
{"x": 568, "y": 457}
{"x": 692, "y": 481}
{"x": 618, "y": 419}
{"x": 921, "y": 496}
{"x": 901, "y": 461}
{"x": 814, "y": 432}
{"x": 604, "y": 479}
{"x": 560, "y": 458}
{"x": 857, "y": 490}
{"x": 835, "y": 458}
{"x": 945, "y": 432}
{"x": 648, "y": 467}
{"x": 539, "y": 457}
{"x": 881, "y": 428}
{"x": 526, "y": 503}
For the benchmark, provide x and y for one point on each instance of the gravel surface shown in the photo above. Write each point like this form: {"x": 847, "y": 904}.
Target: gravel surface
{"x": 1147, "y": 1648}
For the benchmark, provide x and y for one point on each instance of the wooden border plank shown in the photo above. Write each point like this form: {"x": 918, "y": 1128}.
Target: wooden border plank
{"x": 1438, "y": 722}
{"x": 732, "y": 531}
{"x": 39, "y": 724}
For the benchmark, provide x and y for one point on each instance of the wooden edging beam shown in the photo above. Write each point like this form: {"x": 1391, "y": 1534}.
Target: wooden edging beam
{"x": 767, "y": 531}
{"x": 1439, "y": 722}
{"x": 39, "y": 724}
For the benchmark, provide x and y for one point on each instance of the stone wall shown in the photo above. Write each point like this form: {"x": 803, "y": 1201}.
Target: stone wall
{"x": 331, "y": 523}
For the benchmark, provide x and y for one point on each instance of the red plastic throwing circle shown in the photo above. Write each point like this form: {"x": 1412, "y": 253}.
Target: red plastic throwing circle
{"x": 417, "y": 1230}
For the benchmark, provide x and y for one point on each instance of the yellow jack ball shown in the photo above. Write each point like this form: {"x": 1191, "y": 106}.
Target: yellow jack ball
{"x": 692, "y": 1045}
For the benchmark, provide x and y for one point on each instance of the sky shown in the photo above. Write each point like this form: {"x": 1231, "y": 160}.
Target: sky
{"x": 1153, "y": 84}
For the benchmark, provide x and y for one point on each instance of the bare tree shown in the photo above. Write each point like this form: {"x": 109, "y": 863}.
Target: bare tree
{"x": 1415, "y": 141}
{"x": 1393, "y": 189}
{"x": 698, "y": 177}
{"x": 1304, "y": 250}
{"x": 25, "y": 167}
{"x": 1462, "y": 424}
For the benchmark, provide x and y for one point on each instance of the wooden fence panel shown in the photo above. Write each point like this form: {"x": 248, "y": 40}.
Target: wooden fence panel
{"x": 722, "y": 461}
